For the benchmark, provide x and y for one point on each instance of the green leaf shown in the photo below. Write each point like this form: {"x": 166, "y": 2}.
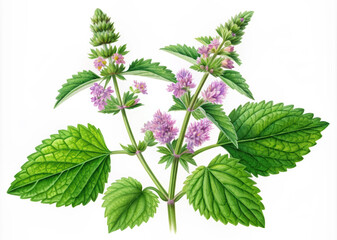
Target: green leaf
{"x": 112, "y": 69}
{"x": 181, "y": 106}
{"x": 234, "y": 80}
{"x": 272, "y": 138}
{"x": 204, "y": 40}
{"x": 122, "y": 50}
{"x": 127, "y": 204}
{"x": 129, "y": 100}
{"x": 225, "y": 191}
{"x": 215, "y": 113}
{"x": 233, "y": 29}
{"x": 178, "y": 106}
{"x": 112, "y": 106}
{"x": 168, "y": 155}
{"x": 76, "y": 83}
{"x": 142, "y": 146}
{"x": 146, "y": 68}
{"x": 187, "y": 53}
{"x": 107, "y": 51}
{"x": 234, "y": 56}
{"x": 70, "y": 168}
{"x": 149, "y": 139}
{"x": 129, "y": 149}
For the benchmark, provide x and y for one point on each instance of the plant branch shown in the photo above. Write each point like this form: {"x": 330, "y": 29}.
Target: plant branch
{"x": 133, "y": 141}
{"x": 179, "y": 196}
{"x": 206, "y": 148}
{"x": 175, "y": 164}
{"x": 118, "y": 152}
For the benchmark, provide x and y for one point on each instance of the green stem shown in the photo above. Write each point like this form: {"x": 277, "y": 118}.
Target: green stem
{"x": 175, "y": 164}
{"x": 134, "y": 143}
{"x": 172, "y": 217}
{"x": 118, "y": 152}
{"x": 179, "y": 196}
{"x": 160, "y": 194}
{"x": 206, "y": 148}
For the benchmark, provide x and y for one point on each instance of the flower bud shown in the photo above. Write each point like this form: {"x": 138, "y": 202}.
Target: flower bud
{"x": 227, "y": 63}
{"x": 229, "y": 49}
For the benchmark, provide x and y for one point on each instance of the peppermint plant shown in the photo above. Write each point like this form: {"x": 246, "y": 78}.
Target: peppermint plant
{"x": 72, "y": 166}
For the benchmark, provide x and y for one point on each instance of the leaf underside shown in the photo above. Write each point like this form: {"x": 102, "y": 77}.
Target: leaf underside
{"x": 216, "y": 115}
{"x": 147, "y": 68}
{"x": 235, "y": 81}
{"x": 78, "y": 82}
{"x": 224, "y": 191}
{"x": 187, "y": 53}
{"x": 272, "y": 138}
{"x": 70, "y": 168}
{"x": 127, "y": 205}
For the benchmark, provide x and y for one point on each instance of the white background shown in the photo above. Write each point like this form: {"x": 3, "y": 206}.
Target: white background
{"x": 288, "y": 53}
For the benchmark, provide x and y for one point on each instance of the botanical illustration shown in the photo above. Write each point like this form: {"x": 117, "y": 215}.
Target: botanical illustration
{"x": 261, "y": 138}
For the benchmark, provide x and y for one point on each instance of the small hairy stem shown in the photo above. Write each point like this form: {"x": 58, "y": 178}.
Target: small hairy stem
{"x": 118, "y": 152}
{"x": 160, "y": 194}
{"x": 179, "y": 196}
{"x": 134, "y": 143}
{"x": 206, "y": 148}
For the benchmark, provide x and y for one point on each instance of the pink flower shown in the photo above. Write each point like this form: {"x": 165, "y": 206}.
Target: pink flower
{"x": 214, "y": 44}
{"x": 197, "y": 133}
{"x": 100, "y": 95}
{"x": 216, "y": 92}
{"x": 162, "y": 127}
{"x": 99, "y": 63}
{"x": 204, "y": 51}
{"x": 227, "y": 63}
{"x": 118, "y": 58}
{"x": 184, "y": 78}
{"x": 229, "y": 49}
{"x": 141, "y": 86}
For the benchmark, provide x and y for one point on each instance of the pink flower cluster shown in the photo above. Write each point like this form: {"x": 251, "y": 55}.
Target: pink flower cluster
{"x": 162, "y": 127}
{"x": 206, "y": 50}
{"x": 184, "y": 78}
{"x": 141, "y": 86}
{"x": 99, "y": 63}
{"x": 216, "y": 92}
{"x": 197, "y": 133}
{"x": 100, "y": 95}
{"x": 227, "y": 63}
{"x": 118, "y": 58}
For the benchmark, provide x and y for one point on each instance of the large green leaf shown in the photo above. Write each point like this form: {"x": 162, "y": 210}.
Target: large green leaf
{"x": 187, "y": 53}
{"x": 234, "y": 80}
{"x": 146, "y": 68}
{"x": 215, "y": 113}
{"x": 272, "y": 138}
{"x": 69, "y": 168}
{"x": 127, "y": 205}
{"x": 76, "y": 83}
{"x": 224, "y": 191}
